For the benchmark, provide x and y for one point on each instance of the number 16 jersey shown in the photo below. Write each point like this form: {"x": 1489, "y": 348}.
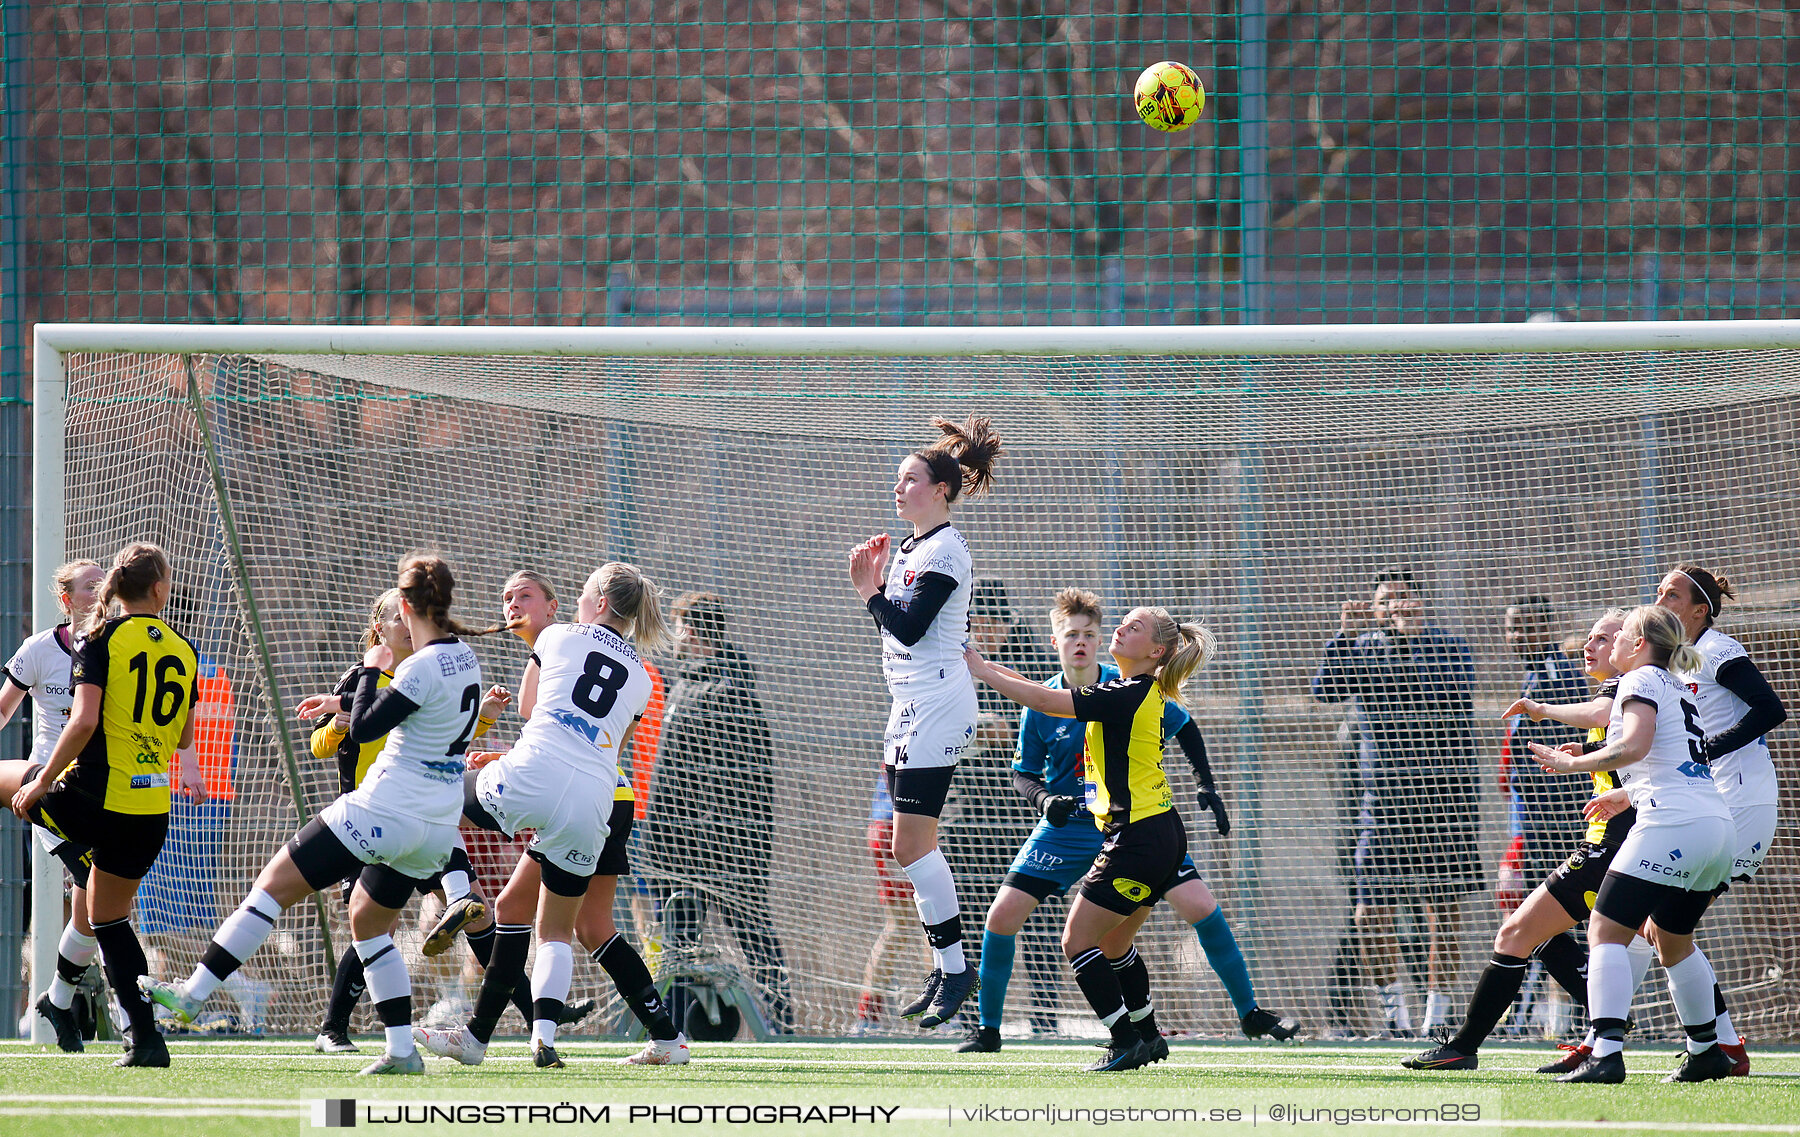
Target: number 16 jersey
{"x": 591, "y": 687}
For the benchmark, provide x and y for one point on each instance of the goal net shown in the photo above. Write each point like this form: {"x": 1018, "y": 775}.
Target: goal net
{"x": 1232, "y": 481}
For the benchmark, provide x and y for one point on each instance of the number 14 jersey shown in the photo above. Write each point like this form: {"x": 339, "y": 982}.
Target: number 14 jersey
{"x": 591, "y": 687}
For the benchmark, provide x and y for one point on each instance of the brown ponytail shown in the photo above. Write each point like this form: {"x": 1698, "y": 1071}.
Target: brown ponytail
{"x": 1713, "y": 588}
{"x": 963, "y": 458}
{"x": 427, "y": 586}
{"x": 138, "y": 568}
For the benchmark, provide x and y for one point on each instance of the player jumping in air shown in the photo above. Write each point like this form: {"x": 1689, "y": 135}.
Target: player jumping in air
{"x": 922, "y": 610}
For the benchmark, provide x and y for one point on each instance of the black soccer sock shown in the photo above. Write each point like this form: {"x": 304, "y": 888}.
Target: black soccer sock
{"x": 123, "y": 957}
{"x": 1100, "y": 984}
{"x": 1134, "y": 988}
{"x": 626, "y": 968}
{"x": 346, "y": 989}
{"x": 1719, "y": 1006}
{"x": 506, "y": 970}
{"x": 1494, "y": 993}
{"x": 1566, "y": 961}
{"x": 482, "y": 944}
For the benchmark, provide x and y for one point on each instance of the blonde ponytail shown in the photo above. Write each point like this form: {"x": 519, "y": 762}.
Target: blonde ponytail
{"x": 1187, "y": 648}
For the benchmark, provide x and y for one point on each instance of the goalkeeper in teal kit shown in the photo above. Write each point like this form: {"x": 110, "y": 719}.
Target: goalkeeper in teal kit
{"x": 1048, "y": 771}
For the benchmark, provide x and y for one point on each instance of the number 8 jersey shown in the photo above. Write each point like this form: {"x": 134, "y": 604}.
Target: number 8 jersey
{"x": 1672, "y": 780}
{"x": 591, "y": 687}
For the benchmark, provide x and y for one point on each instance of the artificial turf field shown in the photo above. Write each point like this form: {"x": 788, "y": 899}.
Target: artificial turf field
{"x": 271, "y": 1086}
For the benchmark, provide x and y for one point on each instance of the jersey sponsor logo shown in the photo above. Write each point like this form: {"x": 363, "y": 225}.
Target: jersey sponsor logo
{"x": 596, "y": 737}
{"x": 957, "y": 751}
{"x": 908, "y": 577}
{"x": 1133, "y": 890}
{"x": 1696, "y": 770}
{"x": 1665, "y": 870}
{"x": 577, "y": 857}
{"x": 154, "y": 632}
{"x": 149, "y": 781}
{"x": 443, "y": 770}
{"x": 1036, "y": 856}
{"x": 447, "y": 665}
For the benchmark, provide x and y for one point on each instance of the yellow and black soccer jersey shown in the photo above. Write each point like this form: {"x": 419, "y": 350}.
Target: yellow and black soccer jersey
{"x": 1607, "y": 830}
{"x": 148, "y": 675}
{"x": 1125, "y": 780}
{"x": 353, "y": 758}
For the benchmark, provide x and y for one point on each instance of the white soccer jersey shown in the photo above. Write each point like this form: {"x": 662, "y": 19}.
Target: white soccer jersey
{"x": 591, "y": 687}
{"x": 1669, "y": 782}
{"x": 419, "y": 771}
{"x": 934, "y": 664}
{"x": 1746, "y": 776}
{"x": 41, "y": 667}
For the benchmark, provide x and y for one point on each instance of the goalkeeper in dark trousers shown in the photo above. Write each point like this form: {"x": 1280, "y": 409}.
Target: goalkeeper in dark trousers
{"x": 1143, "y": 852}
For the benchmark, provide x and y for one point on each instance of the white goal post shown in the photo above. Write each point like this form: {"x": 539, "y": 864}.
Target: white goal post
{"x": 1252, "y": 477}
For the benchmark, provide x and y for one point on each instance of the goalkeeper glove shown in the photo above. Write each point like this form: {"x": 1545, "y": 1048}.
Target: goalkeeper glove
{"x": 1058, "y": 808}
{"x": 1209, "y": 799}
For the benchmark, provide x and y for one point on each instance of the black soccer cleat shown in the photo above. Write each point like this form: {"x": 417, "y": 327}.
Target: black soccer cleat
{"x": 1445, "y": 1057}
{"x": 925, "y": 998}
{"x": 573, "y": 1013}
{"x": 544, "y": 1057}
{"x": 953, "y": 990}
{"x": 458, "y": 914}
{"x": 1609, "y": 1070}
{"x": 981, "y": 1040}
{"x": 1259, "y": 1023}
{"x": 1570, "y": 1061}
{"x": 1709, "y": 1065}
{"x": 151, "y": 1050}
{"x": 1156, "y": 1047}
{"x": 1117, "y": 1057}
{"x": 68, "y": 1030}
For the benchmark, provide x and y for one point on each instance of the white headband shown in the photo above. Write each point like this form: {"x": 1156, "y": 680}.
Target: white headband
{"x": 1711, "y": 608}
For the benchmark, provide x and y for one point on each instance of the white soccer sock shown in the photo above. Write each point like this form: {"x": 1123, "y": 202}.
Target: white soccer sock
{"x": 385, "y": 973}
{"x": 1609, "y": 990}
{"x": 1437, "y": 1009}
{"x": 1691, "y": 987}
{"x": 550, "y": 980}
{"x": 455, "y": 883}
{"x": 934, "y": 894}
{"x": 1727, "y": 1035}
{"x": 1642, "y": 956}
{"x": 240, "y": 935}
{"x": 78, "y": 950}
{"x": 1393, "y": 1005}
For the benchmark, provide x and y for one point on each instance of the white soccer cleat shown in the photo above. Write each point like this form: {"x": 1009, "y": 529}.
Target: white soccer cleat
{"x": 182, "y": 1005}
{"x": 334, "y": 1042}
{"x": 457, "y": 1044}
{"x": 654, "y": 1053}
{"x": 408, "y": 1063}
